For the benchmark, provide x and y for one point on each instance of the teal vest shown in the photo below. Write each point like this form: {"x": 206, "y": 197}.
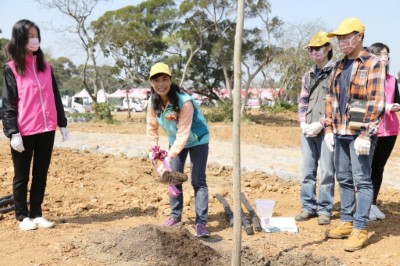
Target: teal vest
{"x": 168, "y": 120}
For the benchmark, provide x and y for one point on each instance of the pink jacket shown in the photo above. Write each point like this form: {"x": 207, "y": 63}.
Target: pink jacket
{"x": 390, "y": 123}
{"x": 37, "y": 111}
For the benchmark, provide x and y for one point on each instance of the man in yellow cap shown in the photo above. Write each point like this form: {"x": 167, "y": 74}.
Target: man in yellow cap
{"x": 357, "y": 83}
{"x": 315, "y": 84}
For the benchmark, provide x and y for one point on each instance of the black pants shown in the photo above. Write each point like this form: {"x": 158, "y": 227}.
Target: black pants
{"x": 383, "y": 149}
{"x": 38, "y": 147}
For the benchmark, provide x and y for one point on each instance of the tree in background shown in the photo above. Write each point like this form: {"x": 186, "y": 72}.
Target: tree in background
{"x": 79, "y": 11}
{"x": 289, "y": 67}
{"x": 258, "y": 50}
{"x": 133, "y": 36}
{"x": 3, "y": 55}
{"x": 65, "y": 72}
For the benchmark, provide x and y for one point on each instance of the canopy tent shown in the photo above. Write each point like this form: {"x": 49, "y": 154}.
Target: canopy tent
{"x": 139, "y": 93}
{"x": 118, "y": 94}
{"x": 84, "y": 94}
{"x": 102, "y": 96}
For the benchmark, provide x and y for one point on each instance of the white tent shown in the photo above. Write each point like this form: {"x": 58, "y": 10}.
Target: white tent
{"x": 84, "y": 94}
{"x": 102, "y": 96}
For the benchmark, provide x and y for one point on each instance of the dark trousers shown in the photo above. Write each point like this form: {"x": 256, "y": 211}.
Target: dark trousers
{"x": 38, "y": 147}
{"x": 383, "y": 149}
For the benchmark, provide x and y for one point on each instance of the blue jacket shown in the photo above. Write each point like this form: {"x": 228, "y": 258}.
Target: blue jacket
{"x": 199, "y": 133}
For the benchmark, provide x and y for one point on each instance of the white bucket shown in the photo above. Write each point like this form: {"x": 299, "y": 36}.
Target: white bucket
{"x": 265, "y": 208}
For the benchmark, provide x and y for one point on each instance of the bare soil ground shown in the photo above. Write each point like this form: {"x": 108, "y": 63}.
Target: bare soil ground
{"x": 108, "y": 208}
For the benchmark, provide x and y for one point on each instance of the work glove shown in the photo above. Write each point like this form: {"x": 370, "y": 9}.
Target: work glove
{"x": 314, "y": 129}
{"x": 304, "y": 127}
{"x": 17, "y": 143}
{"x": 64, "y": 133}
{"x": 329, "y": 141}
{"x": 362, "y": 146}
{"x": 395, "y": 107}
{"x": 388, "y": 107}
{"x": 168, "y": 160}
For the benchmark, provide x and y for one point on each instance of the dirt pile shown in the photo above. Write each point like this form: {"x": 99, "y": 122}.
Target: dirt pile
{"x": 155, "y": 245}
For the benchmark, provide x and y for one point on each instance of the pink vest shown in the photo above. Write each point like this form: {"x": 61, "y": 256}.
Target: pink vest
{"x": 37, "y": 111}
{"x": 390, "y": 123}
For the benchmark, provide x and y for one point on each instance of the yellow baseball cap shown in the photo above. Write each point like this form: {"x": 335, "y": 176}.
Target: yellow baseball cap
{"x": 319, "y": 39}
{"x": 347, "y": 26}
{"x": 160, "y": 68}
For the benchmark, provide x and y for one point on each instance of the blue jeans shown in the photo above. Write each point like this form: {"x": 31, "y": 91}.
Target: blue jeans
{"x": 353, "y": 174}
{"x": 198, "y": 158}
{"x": 314, "y": 149}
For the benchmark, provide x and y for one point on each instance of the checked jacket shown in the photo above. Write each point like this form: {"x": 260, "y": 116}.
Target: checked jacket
{"x": 367, "y": 82}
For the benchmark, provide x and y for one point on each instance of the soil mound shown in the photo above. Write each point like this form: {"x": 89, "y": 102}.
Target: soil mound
{"x": 155, "y": 245}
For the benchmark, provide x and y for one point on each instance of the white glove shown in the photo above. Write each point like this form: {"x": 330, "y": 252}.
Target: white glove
{"x": 168, "y": 160}
{"x": 388, "y": 107}
{"x": 329, "y": 141}
{"x": 304, "y": 127}
{"x": 362, "y": 146}
{"x": 395, "y": 107}
{"x": 17, "y": 143}
{"x": 64, "y": 133}
{"x": 314, "y": 129}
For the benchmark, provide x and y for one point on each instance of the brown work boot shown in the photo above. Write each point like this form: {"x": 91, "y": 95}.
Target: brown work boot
{"x": 343, "y": 230}
{"x": 357, "y": 240}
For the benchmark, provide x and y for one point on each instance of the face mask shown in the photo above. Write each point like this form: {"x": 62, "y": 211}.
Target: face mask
{"x": 346, "y": 46}
{"x": 384, "y": 59}
{"x": 385, "y": 62}
{"x": 318, "y": 56}
{"x": 33, "y": 44}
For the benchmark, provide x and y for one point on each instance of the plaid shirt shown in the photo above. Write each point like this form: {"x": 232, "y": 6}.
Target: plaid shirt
{"x": 367, "y": 81}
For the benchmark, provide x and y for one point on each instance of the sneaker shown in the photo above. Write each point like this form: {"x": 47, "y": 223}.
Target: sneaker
{"x": 343, "y": 230}
{"x": 304, "y": 216}
{"x": 323, "y": 219}
{"x": 172, "y": 221}
{"x": 41, "y": 222}
{"x": 372, "y": 215}
{"x": 201, "y": 231}
{"x": 357, "y": 240}
{"x": 27, "y": 224}
{"x": 378, "y": 213}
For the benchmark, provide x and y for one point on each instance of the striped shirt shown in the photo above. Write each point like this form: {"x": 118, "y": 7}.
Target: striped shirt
{"x": 367, "y": 82}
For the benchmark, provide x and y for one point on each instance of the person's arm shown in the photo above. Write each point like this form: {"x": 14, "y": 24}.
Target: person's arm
{"x": 328, "y": 103}
{"x": 10, "y": 103}
{"x": 184, "y": 125}
{"x": 152, "y": 125}
{"x": 396, "y": 92}
{"x": 304, "y": 99}
{"x": 61, "y": 119}
{"x": 375, "y": 107}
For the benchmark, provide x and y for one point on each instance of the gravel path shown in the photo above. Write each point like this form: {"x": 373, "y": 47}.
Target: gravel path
{"x": 283, "y": 162}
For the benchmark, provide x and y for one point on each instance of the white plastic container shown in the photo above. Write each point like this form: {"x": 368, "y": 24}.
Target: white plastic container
{"x": 265, "y": 208}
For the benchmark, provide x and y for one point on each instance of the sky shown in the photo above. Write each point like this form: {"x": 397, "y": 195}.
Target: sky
{"x": 380, "y": 19}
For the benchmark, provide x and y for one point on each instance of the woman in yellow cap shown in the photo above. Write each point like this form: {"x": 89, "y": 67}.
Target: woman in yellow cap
{"x": 181, "y": 118}
{"x": 315, "y": 86}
